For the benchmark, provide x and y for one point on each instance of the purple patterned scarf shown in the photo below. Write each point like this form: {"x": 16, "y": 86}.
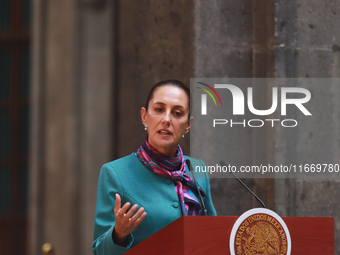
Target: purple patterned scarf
{"x": 175, "y": 168}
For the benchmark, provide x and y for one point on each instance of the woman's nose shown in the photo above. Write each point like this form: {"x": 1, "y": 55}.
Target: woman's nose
{"x": 167, "y": 117}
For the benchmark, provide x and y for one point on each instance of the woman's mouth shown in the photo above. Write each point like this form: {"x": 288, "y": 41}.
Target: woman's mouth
{"x": 164, "y": 132}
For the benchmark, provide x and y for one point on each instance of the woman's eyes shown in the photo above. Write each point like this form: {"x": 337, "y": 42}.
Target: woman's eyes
{"x": 176, "y": 113}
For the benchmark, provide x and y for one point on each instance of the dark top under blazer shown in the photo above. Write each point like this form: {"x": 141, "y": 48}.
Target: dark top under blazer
{"x": 129, "y": 178}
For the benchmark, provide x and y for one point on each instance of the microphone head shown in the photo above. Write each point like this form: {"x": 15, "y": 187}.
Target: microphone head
{"x": 223, "y": 163}
{"x": 189, "y": 164}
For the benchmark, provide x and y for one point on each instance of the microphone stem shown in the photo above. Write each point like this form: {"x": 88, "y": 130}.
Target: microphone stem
{"x": 257, "y": 198}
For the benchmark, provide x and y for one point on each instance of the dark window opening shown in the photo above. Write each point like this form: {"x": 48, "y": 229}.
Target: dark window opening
{"x": 14, "y": 124}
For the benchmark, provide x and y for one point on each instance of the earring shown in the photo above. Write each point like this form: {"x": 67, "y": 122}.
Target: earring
{"x": 145, "y": 127}
{"x": 183, "y": 135}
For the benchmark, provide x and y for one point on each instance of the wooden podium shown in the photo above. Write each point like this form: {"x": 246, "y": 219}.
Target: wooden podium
{"x": 210, "y": 235}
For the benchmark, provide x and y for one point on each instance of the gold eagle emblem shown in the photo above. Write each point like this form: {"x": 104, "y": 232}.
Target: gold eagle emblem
{"x": 263, "y": 239}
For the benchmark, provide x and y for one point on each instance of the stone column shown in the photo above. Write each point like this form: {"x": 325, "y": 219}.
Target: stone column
{"x": 236, "y": 39}
{"x": 155, "y": 43}
{"x": 72, "y": 90}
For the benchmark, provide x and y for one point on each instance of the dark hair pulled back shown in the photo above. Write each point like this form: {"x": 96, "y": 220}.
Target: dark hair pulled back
{"x": 174, "y": 83}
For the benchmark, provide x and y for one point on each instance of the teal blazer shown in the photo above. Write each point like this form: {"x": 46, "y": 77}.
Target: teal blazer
{"x": 129, "y": 178}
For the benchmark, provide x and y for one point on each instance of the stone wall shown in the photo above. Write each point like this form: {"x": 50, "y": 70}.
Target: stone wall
{"x": 307, "y": 45}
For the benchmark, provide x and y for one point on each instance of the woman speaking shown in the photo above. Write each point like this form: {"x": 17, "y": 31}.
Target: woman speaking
{"x": 142, "y": 193}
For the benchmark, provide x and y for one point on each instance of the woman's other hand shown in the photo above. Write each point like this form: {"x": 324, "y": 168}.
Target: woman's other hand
{"x": 126, "y": 220}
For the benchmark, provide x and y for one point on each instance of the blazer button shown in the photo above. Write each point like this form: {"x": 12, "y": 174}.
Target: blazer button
{"x": 175, "y": 204}
{"x": 168, "y": 181}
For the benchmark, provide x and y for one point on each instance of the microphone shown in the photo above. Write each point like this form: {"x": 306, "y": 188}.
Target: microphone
{"x": 205, "y": 212}
{"x": 258, "y": 199}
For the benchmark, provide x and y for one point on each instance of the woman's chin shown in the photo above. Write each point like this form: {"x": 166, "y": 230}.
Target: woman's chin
{"x": 165, "y": 146}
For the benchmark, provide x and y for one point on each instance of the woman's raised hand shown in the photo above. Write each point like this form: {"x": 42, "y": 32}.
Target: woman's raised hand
{"x": 126, "y": 220}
